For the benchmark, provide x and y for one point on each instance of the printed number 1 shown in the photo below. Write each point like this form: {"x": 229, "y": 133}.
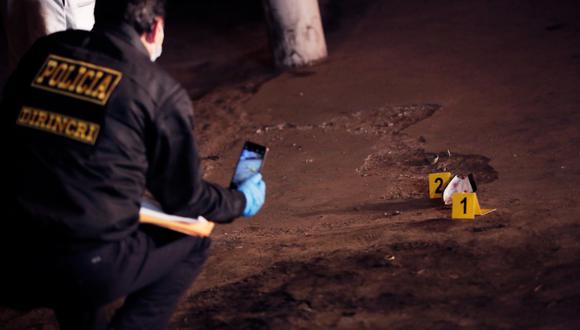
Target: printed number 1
{"x": 464, "y": 202}
{"x": 464, "y": 206}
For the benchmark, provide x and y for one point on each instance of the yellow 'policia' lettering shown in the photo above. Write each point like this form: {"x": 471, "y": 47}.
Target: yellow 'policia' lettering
{"x": 82, "y": 80}
{"x": 55, "y": 123}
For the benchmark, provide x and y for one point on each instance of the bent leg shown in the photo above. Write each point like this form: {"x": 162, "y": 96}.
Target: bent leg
{"x": 81, "y": 318}
{"x": 155, "y": 297}
{"x": 154, "y": 267}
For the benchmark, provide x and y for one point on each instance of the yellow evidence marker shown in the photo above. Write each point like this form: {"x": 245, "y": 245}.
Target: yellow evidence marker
{"x": 437, "y": 183}
{"x": 466, "y": 206}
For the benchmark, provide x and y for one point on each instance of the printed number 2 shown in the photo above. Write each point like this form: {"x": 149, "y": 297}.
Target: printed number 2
{"x": 464, "y": 202}
{"x": 437, "y": 182}
{"x": 440, "y": 182}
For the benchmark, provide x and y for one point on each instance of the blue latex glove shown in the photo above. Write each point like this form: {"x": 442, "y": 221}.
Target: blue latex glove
{"x": 254, "y": 189}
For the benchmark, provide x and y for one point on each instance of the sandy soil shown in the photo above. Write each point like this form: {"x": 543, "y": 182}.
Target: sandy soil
{"x": 348, "y": 238}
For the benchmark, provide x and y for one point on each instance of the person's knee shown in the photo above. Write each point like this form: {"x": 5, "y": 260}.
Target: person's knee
{"x": 204, "y": 246}
{"x": 200, "y": 250}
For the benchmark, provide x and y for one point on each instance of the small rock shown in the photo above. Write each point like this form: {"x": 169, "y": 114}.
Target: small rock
{"x": 435, "y": 160}
{"x": 390, "y": 214}
{"x": 305, "y": 307}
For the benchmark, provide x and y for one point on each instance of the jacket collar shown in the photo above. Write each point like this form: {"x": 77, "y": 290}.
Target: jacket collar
{"x": 124, "y": 32}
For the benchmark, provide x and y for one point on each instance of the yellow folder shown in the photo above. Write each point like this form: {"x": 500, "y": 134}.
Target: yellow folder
{"x": 189, "y": 226}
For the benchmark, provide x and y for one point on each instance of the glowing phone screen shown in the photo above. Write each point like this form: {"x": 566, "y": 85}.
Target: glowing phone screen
{"x": 249, "y": 164}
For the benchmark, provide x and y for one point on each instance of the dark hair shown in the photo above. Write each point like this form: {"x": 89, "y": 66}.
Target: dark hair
{"x": 140, "y": 14}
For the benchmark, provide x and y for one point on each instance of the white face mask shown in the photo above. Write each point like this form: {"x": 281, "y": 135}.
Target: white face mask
{"x": 157, "y": 53}
{"x": 159, "y": 47}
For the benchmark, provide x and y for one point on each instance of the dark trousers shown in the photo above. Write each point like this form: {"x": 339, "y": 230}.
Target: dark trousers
{"x": 153, "y": 268}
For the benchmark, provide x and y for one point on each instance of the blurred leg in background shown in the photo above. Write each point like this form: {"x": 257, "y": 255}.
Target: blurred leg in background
{"x": 24, "y": 21}
{"x": 79, "y": 14}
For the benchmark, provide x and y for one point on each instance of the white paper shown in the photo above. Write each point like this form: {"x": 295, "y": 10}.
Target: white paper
{"x": 457, "y": 184}
{"x": 152, "y": 209}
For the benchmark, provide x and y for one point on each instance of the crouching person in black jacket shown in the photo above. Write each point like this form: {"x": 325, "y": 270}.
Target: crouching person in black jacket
{"x": 90, "y": 123}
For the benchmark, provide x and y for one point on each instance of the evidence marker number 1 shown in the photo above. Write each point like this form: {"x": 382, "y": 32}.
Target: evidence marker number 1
{"x": 466, "y": 206}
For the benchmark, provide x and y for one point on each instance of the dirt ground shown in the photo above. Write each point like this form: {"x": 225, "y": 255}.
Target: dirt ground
{"x": 348, "y": 238}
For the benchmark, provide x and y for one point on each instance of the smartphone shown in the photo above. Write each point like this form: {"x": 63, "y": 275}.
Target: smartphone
{"x": 251, "y": 162}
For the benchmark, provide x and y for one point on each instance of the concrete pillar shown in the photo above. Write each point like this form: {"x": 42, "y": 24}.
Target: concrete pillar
{"x": 296, "y": 33}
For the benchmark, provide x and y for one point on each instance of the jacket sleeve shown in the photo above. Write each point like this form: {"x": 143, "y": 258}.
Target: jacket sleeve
{"x": 174, "y": 176}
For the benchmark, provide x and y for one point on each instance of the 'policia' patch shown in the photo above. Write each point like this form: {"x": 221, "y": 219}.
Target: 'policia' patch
{"x": 55, "y": 123}
{"x": 77, "y": 79}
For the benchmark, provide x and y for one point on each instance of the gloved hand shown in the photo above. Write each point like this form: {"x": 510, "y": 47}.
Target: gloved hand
{"x": 254, "y": 189}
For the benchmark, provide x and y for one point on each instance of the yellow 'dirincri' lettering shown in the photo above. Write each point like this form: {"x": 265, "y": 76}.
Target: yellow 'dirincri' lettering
{"x": 41, "y": 119}
{"x": 59, "y": 124}
{"x": 25, "y": 115}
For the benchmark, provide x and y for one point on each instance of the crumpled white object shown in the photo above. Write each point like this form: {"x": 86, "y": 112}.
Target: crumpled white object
{"x": 457, "y": 184}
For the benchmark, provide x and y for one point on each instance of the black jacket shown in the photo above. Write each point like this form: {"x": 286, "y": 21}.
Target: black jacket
{"x": 89, "y": 123}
